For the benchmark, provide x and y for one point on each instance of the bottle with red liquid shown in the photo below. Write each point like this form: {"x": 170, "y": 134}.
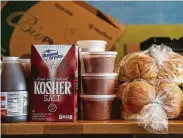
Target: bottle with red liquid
{"x": 14, "y": 95}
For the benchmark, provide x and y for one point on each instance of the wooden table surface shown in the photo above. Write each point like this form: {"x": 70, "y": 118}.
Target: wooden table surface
{"x": 83, "y": 127}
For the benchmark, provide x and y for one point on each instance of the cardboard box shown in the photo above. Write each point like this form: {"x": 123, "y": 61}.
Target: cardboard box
{"x": 135, "y": 34}
{"x": 175, "y": 44}
{"x": 132, "y": 47}
{"x": 58, "y": 22}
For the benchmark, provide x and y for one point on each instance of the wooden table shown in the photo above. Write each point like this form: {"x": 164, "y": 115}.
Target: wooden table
{"x": 83, "y": 127}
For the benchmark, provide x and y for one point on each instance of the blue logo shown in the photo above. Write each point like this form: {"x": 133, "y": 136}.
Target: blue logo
{"x": 51, "y": 55}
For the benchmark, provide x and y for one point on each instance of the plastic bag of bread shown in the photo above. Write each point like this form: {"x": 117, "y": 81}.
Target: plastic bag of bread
{"x": 158, "y": 61}
{"x": 151, "y": 105}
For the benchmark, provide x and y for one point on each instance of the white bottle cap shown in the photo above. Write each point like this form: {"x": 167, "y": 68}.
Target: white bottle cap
{"x": 24, "y": 60}
{"x": 11, "y": 58}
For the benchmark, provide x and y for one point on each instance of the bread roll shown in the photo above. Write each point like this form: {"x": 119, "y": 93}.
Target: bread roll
{"x": 158, "y": 62}
{"x": 139, "y": 93}
{"x": 179, "y": 80}
{"x": 171, "y": 95}
{"x": 137, "y": 65}
{"x": 120, "y": 90}
{"x": 136, "y": 95}
{"x": 129, "y": 116}
{"x": 171, "y": 67}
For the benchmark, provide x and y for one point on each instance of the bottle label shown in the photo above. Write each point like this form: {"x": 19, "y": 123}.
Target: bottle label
{"x": 14, "y": 103}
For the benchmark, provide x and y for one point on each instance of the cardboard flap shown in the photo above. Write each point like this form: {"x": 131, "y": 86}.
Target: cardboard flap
{"x": 86, "y": 6}
{"x": 101, "y": 15}
{"x": 115, "y": 23}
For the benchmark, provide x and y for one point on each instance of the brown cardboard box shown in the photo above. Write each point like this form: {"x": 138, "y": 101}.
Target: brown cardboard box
{"x": 132, "y": 47}
{"x": 60, "y": 22}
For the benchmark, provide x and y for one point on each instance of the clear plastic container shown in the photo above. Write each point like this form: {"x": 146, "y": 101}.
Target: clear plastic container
{"x": 92, "y": 45}
{"x": 97, "y": 107}
{"x": 99, "y": 62}
{"x": 82, "y": 67}
{"x": 82, "y": 63}
{"x": 98, "y": 84}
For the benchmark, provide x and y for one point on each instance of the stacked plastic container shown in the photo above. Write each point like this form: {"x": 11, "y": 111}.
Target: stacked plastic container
{"x": 97, "y": 80}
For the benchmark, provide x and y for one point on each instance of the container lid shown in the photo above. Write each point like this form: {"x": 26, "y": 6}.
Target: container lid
{"x": 92, "y": 45}
{"x": 11, "y": 58}
{"x": 99, "y": 74}
{"x": 98, "y": 97}
{"x": 24, "y": 60}
{"x": 85, "y": 53}
{"x": 103, "y": 53}
{"x": 85, "y": 43}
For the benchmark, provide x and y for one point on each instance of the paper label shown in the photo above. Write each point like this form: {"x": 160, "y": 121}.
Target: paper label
{"x": 14, "y": 103}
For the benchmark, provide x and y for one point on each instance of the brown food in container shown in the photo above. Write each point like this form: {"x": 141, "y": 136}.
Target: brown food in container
{"x": 98, "y": 84}
{"x": 26, "y": 66}
{"x": 14, "y": 94}
{"x": 97, "y": 107}
{"x": 99, "y": 62}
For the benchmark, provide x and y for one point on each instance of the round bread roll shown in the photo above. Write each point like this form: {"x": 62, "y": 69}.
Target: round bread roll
{"x": 139, "y": 93}
{"x": 171, "y": 67}
{"x": 129, "y": 116}
{"x": 179, "y": 80}
{"x": 137, "y": 65}
{"x": 136, "y": 95}
{"x": 120, "y": 90}
{"x": 171, "y": 95}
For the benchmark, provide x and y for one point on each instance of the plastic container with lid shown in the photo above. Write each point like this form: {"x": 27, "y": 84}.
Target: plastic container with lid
{"x": 92, "y": 45}
{"x": 99, "y": 62}
{"x": 98, "y": 83}
{"x": 97, "y": 107}
{"x": 82, "y": 63}
{"x": 14, "y": 95}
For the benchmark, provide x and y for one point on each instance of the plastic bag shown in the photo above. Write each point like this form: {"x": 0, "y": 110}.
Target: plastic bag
{"x": 157, "y": 62}
{"x": 151, "y": 105}
{"x": 145, "y": 85}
